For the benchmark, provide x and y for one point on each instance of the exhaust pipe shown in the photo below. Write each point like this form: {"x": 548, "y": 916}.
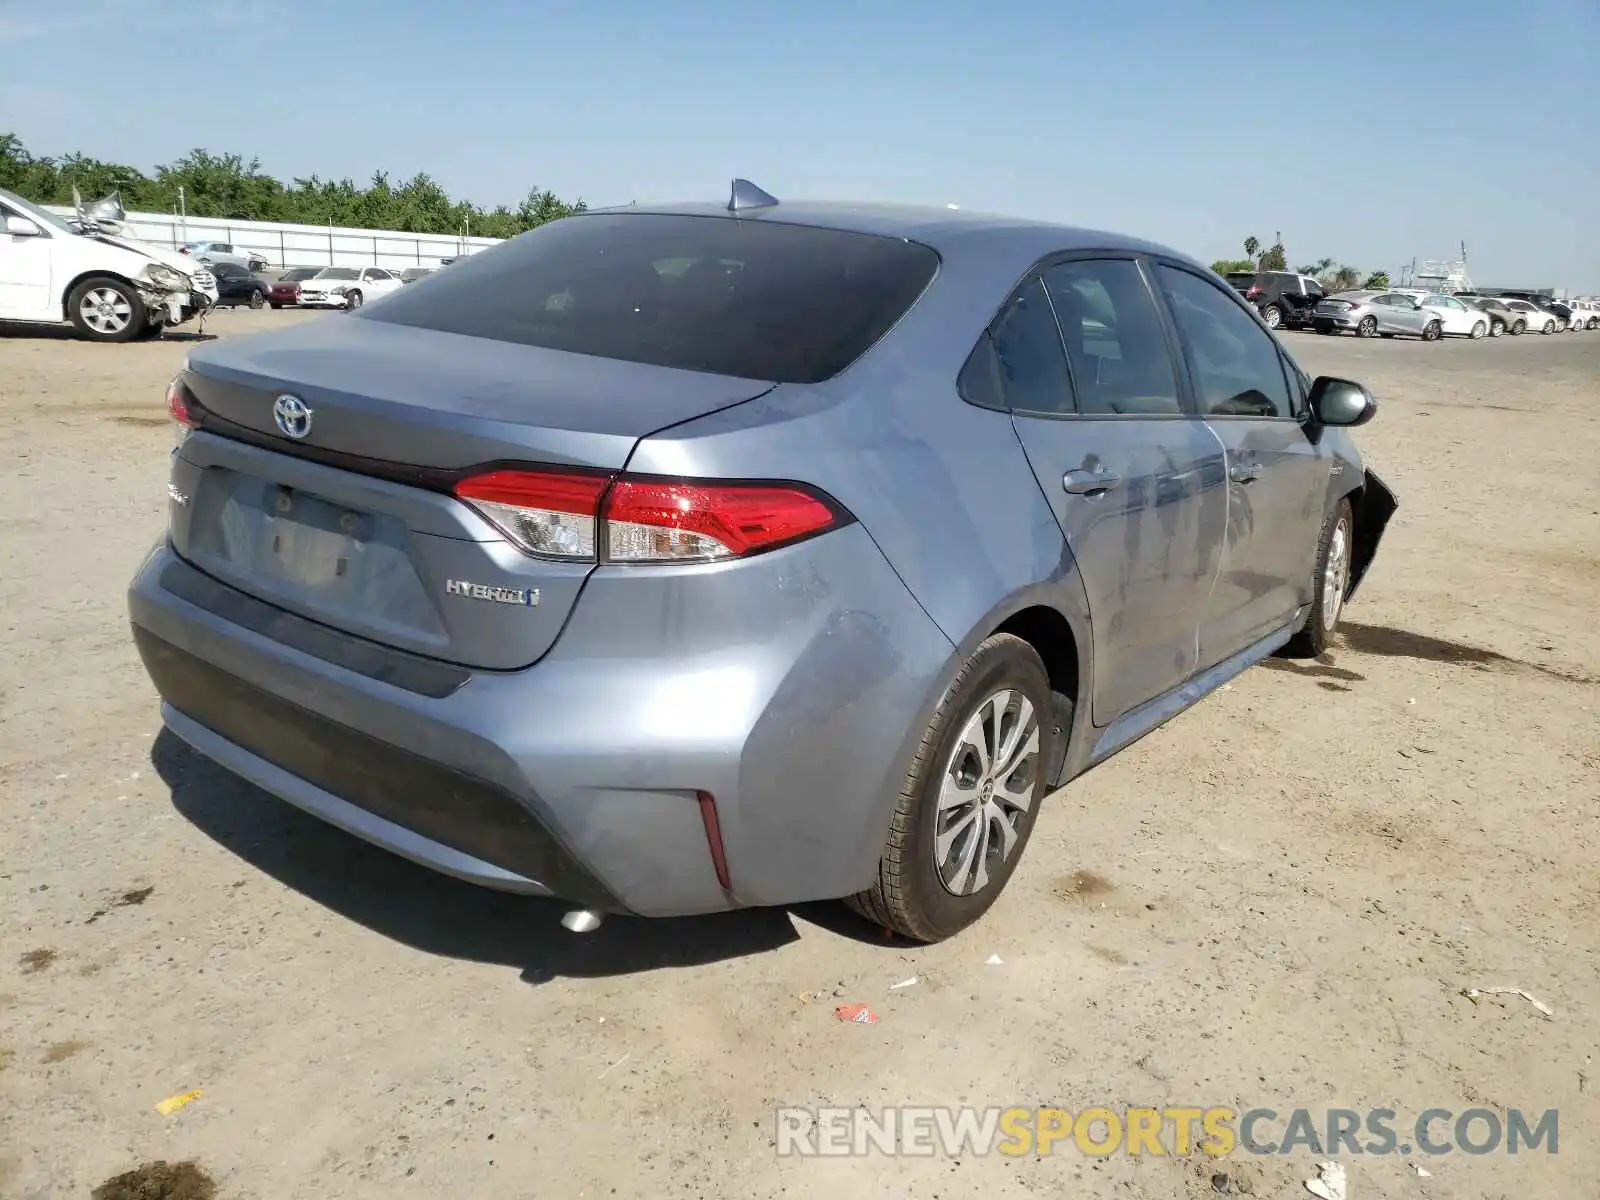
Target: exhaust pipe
{"x": 581, "y": 920}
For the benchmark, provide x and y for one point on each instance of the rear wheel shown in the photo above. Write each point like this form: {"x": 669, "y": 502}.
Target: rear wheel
{"x": 257, "y": 298}
{"x": 104, "y": 309}
{"x": 1479, "y": 330}
{"x": 1432, "y": 331}
{"x": 1272, "y": 315}
{"x": 968, "y": 805}
{"x": 1496, "y": 328}
{"x": 1518, "y": 327}
{"x": 1330, "y": 583}
{"x": 1368, "y": 327}
{"x": 1549, "y": 328}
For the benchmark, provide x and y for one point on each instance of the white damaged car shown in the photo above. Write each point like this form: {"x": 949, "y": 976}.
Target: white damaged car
{"x": 111, "y": 288}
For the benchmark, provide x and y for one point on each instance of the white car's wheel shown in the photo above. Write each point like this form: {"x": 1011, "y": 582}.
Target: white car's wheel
{"x": 1478, "y": 331}
{"x": 104, "y": 309}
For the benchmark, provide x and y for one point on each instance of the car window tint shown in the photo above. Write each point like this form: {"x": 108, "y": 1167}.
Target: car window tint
{"x": 750, "y": 298}
{"x": 1120, "y": 363}
{"x": 1235, "y": 364}
{"x": 1029, "y": 369}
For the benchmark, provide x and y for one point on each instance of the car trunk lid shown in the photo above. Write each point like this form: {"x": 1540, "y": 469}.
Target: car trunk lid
{"x": 353, "y": 523}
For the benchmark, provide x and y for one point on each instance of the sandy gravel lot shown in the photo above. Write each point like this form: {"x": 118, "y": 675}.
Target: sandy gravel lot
{"x": 1277, "y": 900}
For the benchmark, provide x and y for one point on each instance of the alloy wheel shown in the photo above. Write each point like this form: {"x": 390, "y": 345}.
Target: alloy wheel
{"x": 986, "y": 791}
{"x": 105, "y": 310}
{"x": 1336, "y": 575}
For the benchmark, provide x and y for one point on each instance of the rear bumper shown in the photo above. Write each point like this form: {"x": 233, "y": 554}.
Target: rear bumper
{"x": 792, "y": 694}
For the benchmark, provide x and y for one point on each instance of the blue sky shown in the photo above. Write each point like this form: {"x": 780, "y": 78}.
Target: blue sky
{"x": 1368, "y": 132}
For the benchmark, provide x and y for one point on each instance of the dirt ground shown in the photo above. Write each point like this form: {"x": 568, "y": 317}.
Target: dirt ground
{"x": 1276, "y": 900}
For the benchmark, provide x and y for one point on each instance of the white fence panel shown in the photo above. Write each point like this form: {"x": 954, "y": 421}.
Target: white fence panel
{"x": 287, "y": 245}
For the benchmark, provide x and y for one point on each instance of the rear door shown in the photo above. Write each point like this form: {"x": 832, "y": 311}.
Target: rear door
{"x": 1136, "y": 484}
{"x": 1277, "y": 477}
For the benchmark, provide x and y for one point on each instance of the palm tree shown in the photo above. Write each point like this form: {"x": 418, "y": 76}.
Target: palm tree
{"x": 1251, "y": 245}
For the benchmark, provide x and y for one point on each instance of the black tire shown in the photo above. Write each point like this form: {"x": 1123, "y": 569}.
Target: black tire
{"x": 1368, "y": 327}
{"x": 1478, "y": 330}
{"x": 352, "y": 301}
{"x": 1549, "y": 328}
{"x": 910, "y": 896}
{"x": 1497, "y": 328}
{"x": 1272, "y": 315}
{"x": 1318, "y": 633}
{"x": 1519, "y": 327}
{"x": 100, "y": 327}
{"x": 257, "y": 298}
{"x": 1432, "y": 331}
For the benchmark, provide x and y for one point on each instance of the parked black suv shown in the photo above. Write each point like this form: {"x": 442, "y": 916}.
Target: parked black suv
{"x": 1281, "y": 297}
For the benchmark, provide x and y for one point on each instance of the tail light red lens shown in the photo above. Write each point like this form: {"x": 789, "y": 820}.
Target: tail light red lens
{"x": 590, "y": 517}
{"x": 179, "y": 403}
{"x": 649, "y": 521}
{"x": 1255, "y": 290}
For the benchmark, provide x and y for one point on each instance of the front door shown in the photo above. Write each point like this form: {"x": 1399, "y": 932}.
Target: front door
{"x": 25, "y": 272}
{"x": 1277, "y": 477}
{"x": 1135, "y": 482}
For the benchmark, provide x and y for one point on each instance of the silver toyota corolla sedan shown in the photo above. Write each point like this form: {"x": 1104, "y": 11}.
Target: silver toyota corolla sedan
{"x": 680, "y": 559}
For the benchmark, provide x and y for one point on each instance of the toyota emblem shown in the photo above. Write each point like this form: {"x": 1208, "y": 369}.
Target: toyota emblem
{"x": 292, "y": 416}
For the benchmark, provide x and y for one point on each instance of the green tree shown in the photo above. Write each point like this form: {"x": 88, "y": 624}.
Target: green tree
{"x": 1252, "y": 248}
{"x": 232, "y": 187}
{"x": 1345, "y": 279}
{"x": 1229, "y": 266}
{"x": 1378, "y": 281}
{"x": 1276, "y": 258}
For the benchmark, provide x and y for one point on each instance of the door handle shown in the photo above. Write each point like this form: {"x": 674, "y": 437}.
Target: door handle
{"x": 1244, "y": 472}
{"x": 1090, "y": 483}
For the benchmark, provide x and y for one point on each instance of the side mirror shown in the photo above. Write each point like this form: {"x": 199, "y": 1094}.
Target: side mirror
{"x": 23, "y": 227}
{"x": 1340, "y": 402}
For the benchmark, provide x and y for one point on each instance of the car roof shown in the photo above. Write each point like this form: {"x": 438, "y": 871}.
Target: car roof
{"x": 938, "y": 228}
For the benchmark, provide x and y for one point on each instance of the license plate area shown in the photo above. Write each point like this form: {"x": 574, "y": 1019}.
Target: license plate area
{"x": 311, "y": 542}
{"x": 309, "y": 552}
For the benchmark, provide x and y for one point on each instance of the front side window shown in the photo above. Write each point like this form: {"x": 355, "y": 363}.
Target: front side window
{"x": 753, "y": 299}
{"x": 1235, "y": 364}
{"x": 1112, "y": 330}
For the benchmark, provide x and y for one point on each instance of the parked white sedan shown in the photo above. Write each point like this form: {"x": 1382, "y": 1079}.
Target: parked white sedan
{"x": 346, "y": 287}
{"x": 1461, "y": 320}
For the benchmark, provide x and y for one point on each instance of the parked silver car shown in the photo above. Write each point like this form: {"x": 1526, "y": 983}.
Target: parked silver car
{"x": 1375, "y": 314}
{"x": 690, "y": 558}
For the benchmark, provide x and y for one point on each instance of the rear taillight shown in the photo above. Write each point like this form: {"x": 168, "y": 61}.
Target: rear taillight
{"x": 183, "y": 409}
{"x": 591, "y": 518}
{"x": 547, "y": 513}
{"x": 651, "y": 521}
{"x": 1255, "y": 290}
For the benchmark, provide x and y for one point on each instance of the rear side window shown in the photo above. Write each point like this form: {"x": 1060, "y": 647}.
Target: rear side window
{"x": 1018, "y": 364}
{"x": 751, "y": 298}
{"x": 1120, "y": 362}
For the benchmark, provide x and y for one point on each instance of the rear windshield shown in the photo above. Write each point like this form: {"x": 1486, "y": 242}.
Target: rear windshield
{"x": 300, "y": 273}
{"x": 1241, "y": 280}
{"x": 336, "y": 273}
{"x": 751, "y": 298}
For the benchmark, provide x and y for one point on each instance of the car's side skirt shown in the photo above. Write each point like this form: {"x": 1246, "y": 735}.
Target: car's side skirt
{"x": 1151, "y": 715}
